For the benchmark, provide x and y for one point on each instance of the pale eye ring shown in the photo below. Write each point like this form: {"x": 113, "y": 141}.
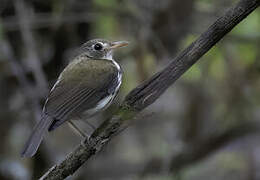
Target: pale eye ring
{"x": 98, "y": 46}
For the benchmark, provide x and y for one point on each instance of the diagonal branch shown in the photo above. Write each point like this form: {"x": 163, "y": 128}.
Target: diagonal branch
{"x": 149, "y": 91}
{"x": 18, "y": 72}
{"x": 192, "y": 153}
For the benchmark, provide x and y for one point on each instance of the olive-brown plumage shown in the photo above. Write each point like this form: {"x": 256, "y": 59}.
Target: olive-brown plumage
{"x": 86, "y": 86}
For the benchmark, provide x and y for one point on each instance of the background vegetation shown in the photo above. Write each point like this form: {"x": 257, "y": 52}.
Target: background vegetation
{"x": 204, "y": 127}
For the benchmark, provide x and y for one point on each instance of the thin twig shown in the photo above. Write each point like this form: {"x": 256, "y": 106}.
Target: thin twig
{"x": 30, "y": 46}
{"x": 191, "y": 153}
{"x": 43, "y": 20}
{"x": 27, "y": 88}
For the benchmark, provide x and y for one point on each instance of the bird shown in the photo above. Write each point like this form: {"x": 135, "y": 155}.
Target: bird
{"x": 86, "y": 86}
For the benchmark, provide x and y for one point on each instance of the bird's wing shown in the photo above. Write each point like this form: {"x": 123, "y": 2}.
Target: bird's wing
{"x": 72, "y": 94}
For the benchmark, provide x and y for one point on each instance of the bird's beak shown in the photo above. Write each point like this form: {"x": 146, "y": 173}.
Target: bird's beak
{"x": 118, "y": 44}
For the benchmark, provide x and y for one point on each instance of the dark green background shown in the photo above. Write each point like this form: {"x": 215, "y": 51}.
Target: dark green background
{"x": 204, "y": 127}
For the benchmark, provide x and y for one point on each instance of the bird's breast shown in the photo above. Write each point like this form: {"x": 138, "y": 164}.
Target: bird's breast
{"x": 111, "y": 94}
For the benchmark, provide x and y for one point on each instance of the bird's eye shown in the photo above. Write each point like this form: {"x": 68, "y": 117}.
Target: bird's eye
{"x": 98, "y": 47}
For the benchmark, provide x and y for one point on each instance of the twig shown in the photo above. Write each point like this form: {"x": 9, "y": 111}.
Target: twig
{"x": 194, "y": 152}
{"x": 137, "y": 99}
{"x": 43, "y": 20}
{"x": 30, "y": 46}
{"x": 27, "y": 87}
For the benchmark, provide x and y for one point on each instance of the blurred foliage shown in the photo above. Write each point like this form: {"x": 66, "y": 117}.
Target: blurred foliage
{"x": 204, "y": 127}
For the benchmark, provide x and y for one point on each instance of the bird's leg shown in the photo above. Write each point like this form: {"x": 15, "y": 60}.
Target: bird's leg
{"x": 77, "y": 129}
{"x": 88, "y": 123}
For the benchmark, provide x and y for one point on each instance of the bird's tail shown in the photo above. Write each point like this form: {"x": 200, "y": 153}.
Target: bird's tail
{"x": 36, "y": 136}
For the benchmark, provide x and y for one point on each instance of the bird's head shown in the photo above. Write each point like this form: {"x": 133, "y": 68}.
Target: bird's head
{"x": 101, "y": 48}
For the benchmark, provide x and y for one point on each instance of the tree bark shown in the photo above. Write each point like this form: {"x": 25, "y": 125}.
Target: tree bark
{"x": 149, "y": 91}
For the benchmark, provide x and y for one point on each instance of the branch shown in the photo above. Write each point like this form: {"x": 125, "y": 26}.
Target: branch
{"x": 45, "y": 20}
{"x": 149, "y": 91}
{"x": 196, "y": 151}
{"x": 27, "y": 88}
{"x": 30, "y": 45}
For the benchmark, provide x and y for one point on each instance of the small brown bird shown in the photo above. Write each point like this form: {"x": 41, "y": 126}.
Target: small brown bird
{"x": 85, "y": 87}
